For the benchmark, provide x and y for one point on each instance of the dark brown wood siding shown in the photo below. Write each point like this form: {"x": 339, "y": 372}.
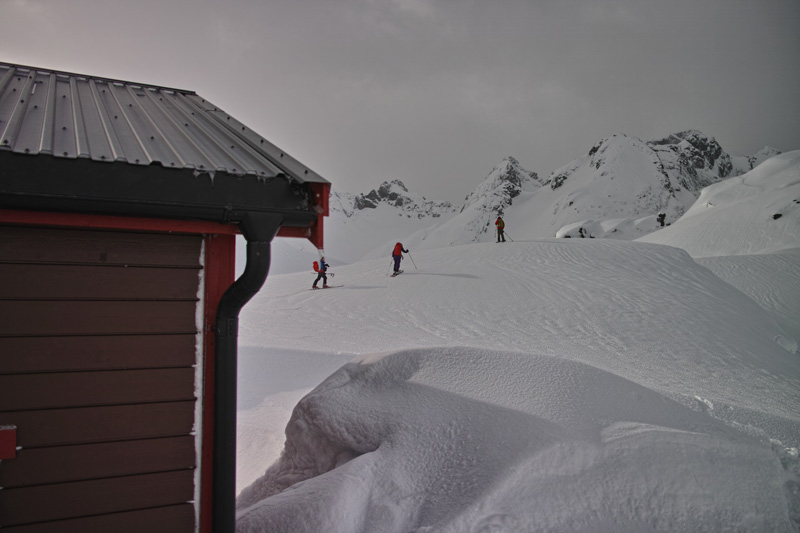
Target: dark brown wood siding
{"x": 98, "y": 372}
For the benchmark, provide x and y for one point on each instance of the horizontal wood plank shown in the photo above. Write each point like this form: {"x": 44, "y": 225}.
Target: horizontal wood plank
{"x": 58, "y": 354}
{"x": 54, "y": 427}
{"x": 56, "y": 282}
{"x": 84, "y": 498}
{"x": 173, "y": 519}
{"x": 40, "y": 466}
{"x": 83, "y": 389}
{"x": 42, "y": 318}
{"x": 22, "y": 244}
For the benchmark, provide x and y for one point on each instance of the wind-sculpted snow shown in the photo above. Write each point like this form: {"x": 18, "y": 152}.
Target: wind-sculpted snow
{"x": 645, "y": 312}
{"x": 771, "y": 280}
{"x": 465, "y": 439}
{"x": 539, "y": 385}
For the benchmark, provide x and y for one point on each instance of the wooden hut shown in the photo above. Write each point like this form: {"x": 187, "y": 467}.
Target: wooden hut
{"x": 119, "y": 207}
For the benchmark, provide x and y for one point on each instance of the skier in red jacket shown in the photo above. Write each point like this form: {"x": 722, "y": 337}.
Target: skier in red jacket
{"x": 397, "y": 255}
{"x": 500, "y": 229}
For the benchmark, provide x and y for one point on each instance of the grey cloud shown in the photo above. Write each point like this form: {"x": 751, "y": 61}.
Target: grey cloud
{"x": 436, "y": 92}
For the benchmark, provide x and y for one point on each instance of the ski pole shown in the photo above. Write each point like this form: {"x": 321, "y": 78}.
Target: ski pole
{"x": 505, "y": 233}
{"x": 391, "y": 264}
{"x": 412, "y": 261}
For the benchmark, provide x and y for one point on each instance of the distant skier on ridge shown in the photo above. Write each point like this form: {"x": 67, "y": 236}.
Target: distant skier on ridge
{"x": 501, "y": 225}
{"x": 397, "y": 255}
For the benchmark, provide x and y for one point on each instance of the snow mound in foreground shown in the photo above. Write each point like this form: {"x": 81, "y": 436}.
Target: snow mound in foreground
{"x": 467, "y": 439}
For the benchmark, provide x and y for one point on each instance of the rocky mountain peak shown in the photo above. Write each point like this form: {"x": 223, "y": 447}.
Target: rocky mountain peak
{"x": 509, "y": 170}
{"x": 505, "y": 182}
{"x": 697, "y": 152}
{"x": 493, "y": 196}
{"x": 392, "y": 193}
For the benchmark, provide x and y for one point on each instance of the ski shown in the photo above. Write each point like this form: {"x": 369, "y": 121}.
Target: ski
{"x": 396, "y": 273}
{"x": 328, "y": 287}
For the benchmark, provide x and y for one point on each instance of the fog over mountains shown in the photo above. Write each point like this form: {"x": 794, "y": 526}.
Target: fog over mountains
{"x": 615, "y": 190}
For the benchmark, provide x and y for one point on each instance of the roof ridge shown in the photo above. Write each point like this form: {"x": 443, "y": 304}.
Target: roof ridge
{"x": 104, "y": 79}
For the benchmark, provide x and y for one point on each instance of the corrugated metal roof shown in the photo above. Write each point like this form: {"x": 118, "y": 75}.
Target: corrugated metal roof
{"x": 76, "y": 116}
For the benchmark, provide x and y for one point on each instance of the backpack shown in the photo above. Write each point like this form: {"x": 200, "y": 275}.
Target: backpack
{"x": 316, "y": 266}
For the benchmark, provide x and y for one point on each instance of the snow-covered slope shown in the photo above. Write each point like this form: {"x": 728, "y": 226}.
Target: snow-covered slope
{"x": 661, "y": 176}
{"x": 614, "y": 191}
{"x": 360, "y": 223}
{"x": 622, "y": 184}
{"x": 756, "y": 213}
{"x": 492, "y": 197}
{"x": 747, "y": 231}
{"x": 474, "y": 222}
{"x": 556, "y": 384}
{"x": 357, "y": 224}
{"x": 771, "y": 280}
{"x": 594, "y": 385}
{"x": 617, "y": 190}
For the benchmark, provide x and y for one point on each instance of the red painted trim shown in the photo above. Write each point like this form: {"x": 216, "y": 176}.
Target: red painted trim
{"x": 8, "y": 442}
{"x": 220, "y": 272}
{"x": 321, "y": 195}
{"x": 79, "y": 220}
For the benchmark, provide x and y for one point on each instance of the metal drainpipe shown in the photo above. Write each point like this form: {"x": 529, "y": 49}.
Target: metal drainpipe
{"x": 258, "y": 231}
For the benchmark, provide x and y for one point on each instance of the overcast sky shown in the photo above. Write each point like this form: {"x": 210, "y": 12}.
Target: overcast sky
{"x": 436, "y": 92}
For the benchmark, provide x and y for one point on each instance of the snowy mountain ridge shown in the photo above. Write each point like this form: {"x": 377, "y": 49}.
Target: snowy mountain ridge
{"x": 504, "y": 183}
{"x": 616, "y": 190}
{"x": 493, "y": 196}
{"x": 652, "y": 177}
{"x": 392, "y": 193}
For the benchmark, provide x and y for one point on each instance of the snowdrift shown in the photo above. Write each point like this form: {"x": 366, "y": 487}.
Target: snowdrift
{"x": 461, "y": 439}
{"x": 562, "y": 385}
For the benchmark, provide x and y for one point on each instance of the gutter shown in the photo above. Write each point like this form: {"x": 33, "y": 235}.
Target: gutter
{"x": 258, "y": 231}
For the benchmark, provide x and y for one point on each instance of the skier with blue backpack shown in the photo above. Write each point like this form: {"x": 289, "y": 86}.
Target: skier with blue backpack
{"x": 321, "y": 268}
